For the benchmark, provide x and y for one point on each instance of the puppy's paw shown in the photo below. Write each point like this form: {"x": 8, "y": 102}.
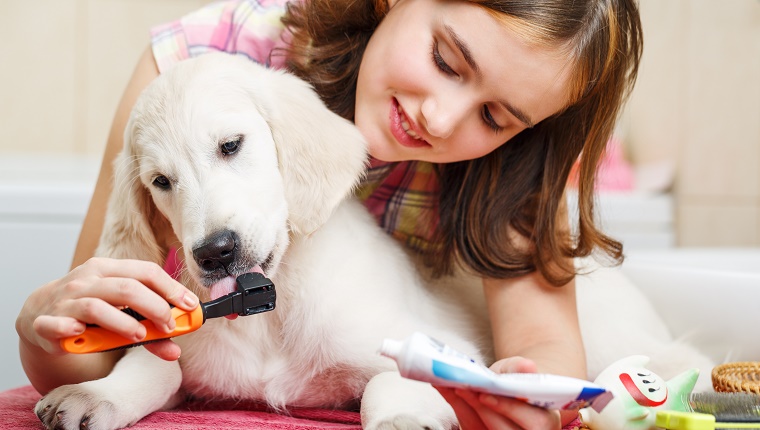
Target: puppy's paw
{"x": 72, "y": 407}
{"x": 393, "y": 402}
{"x": 409, "y": 422}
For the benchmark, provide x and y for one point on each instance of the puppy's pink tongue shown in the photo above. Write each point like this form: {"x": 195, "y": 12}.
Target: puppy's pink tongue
{"x": 223, "y": 287}
{"x": 227, "y": 286}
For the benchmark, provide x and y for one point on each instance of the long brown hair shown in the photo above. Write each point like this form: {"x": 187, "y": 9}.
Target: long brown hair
{"x": 492, "y": 206}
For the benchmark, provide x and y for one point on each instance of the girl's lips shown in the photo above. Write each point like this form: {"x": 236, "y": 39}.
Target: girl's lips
{"x": 398, "y": 132}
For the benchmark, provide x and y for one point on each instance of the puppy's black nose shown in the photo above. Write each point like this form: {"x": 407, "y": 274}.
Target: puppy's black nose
{"x": 216, "y": 252}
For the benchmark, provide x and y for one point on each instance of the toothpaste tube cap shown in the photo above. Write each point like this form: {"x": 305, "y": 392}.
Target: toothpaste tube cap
{"x": 391, "y": 348}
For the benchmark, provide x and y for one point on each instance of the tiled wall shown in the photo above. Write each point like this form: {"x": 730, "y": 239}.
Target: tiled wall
{"x": 697, "y": 103}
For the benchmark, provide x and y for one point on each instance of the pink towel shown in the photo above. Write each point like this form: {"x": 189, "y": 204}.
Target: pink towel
{"x": 17, "y": 412}
{"x": 17, "y": 405}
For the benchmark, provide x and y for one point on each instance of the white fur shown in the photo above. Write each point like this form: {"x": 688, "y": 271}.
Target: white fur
{"x": 618, "y": 321}
{"x": 342, "y": 284}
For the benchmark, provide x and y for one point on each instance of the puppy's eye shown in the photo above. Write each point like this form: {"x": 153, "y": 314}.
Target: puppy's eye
{"x": 231, "y": 146}
{"x": 162, "y": 182}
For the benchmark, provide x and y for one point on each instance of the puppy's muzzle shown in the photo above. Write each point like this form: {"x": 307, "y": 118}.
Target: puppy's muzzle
{"x": 217, "y": 252}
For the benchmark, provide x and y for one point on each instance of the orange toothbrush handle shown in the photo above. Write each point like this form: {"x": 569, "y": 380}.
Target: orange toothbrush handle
{"x": 98, "y": 339}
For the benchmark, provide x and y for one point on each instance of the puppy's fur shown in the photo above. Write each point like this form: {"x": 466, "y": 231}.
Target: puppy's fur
{"x": 343, "y": 285}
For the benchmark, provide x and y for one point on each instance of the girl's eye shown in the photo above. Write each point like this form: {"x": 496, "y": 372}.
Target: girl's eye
{"x": 490, "y": 122}
{"x": 231, "y": 146}
{"x": 440, "y": 62}
{"x": 162, "y": 182}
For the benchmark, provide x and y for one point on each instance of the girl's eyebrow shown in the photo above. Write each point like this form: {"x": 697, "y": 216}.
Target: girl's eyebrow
{"x": 519, "y": 114}
{"x": 470, "y": 60}
{"x": 463, "y": 48}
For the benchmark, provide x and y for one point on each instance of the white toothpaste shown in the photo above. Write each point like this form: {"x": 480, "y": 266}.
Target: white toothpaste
{"x": 425, "y": 359}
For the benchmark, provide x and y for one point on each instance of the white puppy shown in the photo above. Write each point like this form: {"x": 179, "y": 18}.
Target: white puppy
{"x": 248, "y": 169}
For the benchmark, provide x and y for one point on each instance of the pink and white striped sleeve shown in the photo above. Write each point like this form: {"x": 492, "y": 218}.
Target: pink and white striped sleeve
{"x": 243, "y": 27}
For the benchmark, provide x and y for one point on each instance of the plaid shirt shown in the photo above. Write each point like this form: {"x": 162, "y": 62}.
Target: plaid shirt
{"x": 401, "y": 196}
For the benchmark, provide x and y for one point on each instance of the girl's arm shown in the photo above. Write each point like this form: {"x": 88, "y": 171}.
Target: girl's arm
{"x": 534, "y": 319}
{"x": 60, "y": 308}
{"x": 531, "y": 318}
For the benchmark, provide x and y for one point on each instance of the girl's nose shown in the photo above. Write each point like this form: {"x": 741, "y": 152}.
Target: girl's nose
{"x": 442, "y": 114}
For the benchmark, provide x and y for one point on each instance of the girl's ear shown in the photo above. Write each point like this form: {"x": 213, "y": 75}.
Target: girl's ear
{"x": 132, "y": 219}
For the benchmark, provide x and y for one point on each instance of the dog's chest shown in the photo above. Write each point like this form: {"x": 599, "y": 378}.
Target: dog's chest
{"x": 249, "y": 359}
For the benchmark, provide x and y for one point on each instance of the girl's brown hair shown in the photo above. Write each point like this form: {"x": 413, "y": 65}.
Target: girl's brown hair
{"x": 492, "y": 206}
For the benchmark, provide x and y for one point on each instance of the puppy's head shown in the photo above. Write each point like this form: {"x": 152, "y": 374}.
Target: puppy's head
{"x": 235, "y": 158}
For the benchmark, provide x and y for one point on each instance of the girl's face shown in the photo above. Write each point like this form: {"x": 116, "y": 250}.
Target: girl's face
{"x": 445, "y": 81}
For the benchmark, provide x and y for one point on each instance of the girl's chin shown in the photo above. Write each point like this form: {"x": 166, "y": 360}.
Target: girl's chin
{"x": 382, "y": 152}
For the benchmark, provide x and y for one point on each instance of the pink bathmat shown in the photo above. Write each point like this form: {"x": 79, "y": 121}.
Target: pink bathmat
{"x": 16, "y": 412}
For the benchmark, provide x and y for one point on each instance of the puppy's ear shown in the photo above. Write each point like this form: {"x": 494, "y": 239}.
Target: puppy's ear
{"x": 132, "y": 219}
{"x": 322, "y": 156}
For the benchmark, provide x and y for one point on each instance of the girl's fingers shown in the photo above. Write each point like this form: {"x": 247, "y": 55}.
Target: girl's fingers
{"x": 467, "y": 417}
{"x": 149, "y": 274}
{"x": 514, "y": 365}
{"x": 93, "y": 292}
{"x": 96, "y": 311}
{"x": 164, "y": 349}
{"x": 49, "y": 326}
{"x": 522, "y": 414}
{"x": 489, "y": 418}
{"x": 51, "y": 329}
{"x": 125, "y": 292}
{"x": 140, "y": 285}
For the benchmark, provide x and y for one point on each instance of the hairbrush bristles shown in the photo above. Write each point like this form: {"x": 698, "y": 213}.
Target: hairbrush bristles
{"x": 728, "y": 407}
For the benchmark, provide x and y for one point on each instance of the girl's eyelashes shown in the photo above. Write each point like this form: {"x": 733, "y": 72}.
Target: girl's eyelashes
{"x": 440, "y": 62}
{"x": 490, "y": 121}
{"x": 444, "y": 67}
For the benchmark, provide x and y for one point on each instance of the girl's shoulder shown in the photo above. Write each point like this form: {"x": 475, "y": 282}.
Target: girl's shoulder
{"x": 252, "y": 28}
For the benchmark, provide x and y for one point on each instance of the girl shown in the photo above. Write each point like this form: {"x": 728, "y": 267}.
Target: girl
{"x": 475, "y": 112}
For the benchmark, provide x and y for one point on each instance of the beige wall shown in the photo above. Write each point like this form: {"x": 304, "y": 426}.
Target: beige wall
{"x": 697, "y": 103}
{"x": 65, "y": 64}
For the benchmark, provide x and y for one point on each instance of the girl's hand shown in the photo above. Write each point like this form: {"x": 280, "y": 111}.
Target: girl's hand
{"x": 92, "y": 294}
{"x": 485, "y": 411}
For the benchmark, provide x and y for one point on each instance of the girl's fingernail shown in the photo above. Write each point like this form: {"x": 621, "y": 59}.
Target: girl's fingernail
{"x": 78, "y": 328}
{"x": 190, "y": 300}
{"x": 488, "y": 399}
{"x": 171, "y": 325}
{"x": 141, "y": 333}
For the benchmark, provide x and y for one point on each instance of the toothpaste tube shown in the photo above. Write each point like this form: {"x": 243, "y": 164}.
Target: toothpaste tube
{"x": 425, "y": 359}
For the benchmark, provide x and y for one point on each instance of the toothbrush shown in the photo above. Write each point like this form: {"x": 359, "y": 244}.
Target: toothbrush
{"x": 254, "y": 294}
